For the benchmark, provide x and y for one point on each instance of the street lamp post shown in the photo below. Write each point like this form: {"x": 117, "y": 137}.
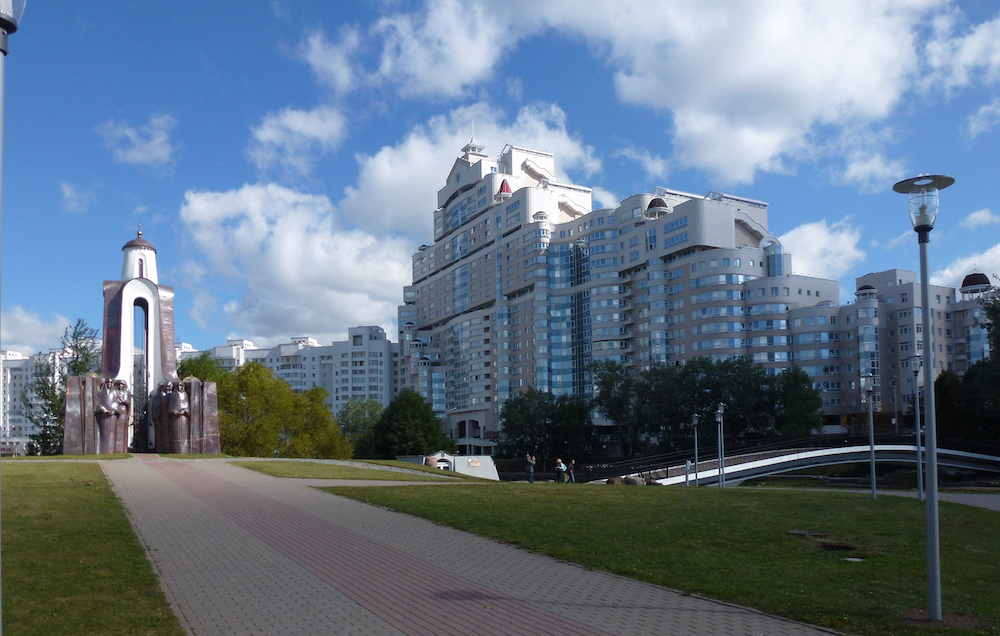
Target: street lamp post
{"x": 722, "y": 446}
{"x": 10, "y": 16}
{"x": 923, "y": 193}
{"x": 694, "y": 423}
{"x": 915, "y": 362}
{"x": 871, "y": 436}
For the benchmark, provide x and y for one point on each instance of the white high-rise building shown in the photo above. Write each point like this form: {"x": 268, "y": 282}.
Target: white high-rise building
{"x": 525, "y": 286}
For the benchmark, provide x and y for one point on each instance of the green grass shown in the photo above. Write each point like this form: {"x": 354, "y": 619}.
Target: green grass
{"x": 316, "y": 470}
{"x": 89, "y": 457}
{"x": 71, "y": 562}
{"x": 734, "y": 545}
{"x": 420, "y": 467}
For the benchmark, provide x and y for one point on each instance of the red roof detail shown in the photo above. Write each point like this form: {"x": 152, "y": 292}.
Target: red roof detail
{"x": 505, "y": 188}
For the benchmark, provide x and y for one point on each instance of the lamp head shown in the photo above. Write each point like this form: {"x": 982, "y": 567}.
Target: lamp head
{"x": 923, "y": 192}
{"x": 694, "y": 419}
{"x": 10, "y": 14}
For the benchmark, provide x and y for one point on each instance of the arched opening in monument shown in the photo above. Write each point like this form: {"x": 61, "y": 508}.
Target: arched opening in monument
{"x": 140, "y": 372}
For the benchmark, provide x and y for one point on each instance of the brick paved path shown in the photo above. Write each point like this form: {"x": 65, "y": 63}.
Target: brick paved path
{"x": 240, "y": 552}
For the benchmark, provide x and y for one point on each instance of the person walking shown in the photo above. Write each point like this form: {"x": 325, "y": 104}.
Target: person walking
{"x": 560, "y": 470}
{"x": 531, "y": 468}
{"x": 569, "y": 471}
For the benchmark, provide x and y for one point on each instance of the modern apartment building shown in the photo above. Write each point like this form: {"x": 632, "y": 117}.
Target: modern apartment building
{"x": 525, "y": 286}
{"x": 359, "y": 367}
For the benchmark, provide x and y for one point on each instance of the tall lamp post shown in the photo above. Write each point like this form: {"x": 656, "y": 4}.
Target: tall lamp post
{"x": 10, "y": 16}
{"x": 694, "y": 423}
{"x": 915, "y": 362}
{"x": 923, "y": 193}
{"x": 871, "y": 432}
{"x": 722, "y": 446}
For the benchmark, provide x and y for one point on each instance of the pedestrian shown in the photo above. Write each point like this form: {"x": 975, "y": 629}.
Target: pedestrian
{"x": 560, "y": 470}
{"x": 531, "y": 468}
{"x": 569, "y": 471}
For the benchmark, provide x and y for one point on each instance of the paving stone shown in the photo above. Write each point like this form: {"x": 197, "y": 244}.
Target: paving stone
{"x": 241, "y": 552}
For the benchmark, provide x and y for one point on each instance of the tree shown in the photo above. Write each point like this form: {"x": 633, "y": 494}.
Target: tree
{"x": 43, "y": 400}
{"x": 313, "y": 432}
{"x": 204, "y": 366}
{"x": 358, "y": 417}
{"x": 616, "y": 399}
{"x": 991, "y": 317}
{"x": 407, "y": 427}
{"x": 45, "y": 396}
{"x": 797, "y": 404}
{"x": 545, "y": 425}
{"x": 254, "y": 409}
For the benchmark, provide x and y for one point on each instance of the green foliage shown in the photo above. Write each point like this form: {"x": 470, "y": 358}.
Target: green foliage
{"x": 358, "y": 417}
{"x": 260, "y": 416}
{"x": 991, "y": 317}
{"x": 969, "y": 410}
{"x": 547, "y": 426}
{"x": 407, "y": 427}
{"x": 659, "y": 402}
{"x": 203, "y": 366}
{"x": 45, "y": 395}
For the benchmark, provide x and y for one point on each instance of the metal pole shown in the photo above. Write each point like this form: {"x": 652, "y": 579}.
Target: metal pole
{"x": 916, "y": 431}
{"x": 895, "y": 404}
{"x": 930, "y": 425}
{"x": 3, "y": 59}
{"x": 871, "y": 438}
{"x": 722, "y": 447}
{"x": 694, "y": 418}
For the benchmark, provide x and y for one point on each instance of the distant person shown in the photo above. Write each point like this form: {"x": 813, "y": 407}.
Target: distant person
{"x": 531, "y": 468}
{"x": 570, "y": 467}
{"x": 560, "y": 470}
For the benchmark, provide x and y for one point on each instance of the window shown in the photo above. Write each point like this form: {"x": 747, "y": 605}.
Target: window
{"x": 902, "y": 298}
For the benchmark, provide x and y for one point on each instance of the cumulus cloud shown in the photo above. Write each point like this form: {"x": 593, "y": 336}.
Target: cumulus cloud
{"x": 980, "y": 218}
{"x": 654, "y": 166}
{"x": 984, "y": 120}
{"x": 147, "y": 145}
{"x": 299, "y": 270}
{"x": 74, "y": 199}
{"x": 28, "y": 332}
{"x": 987, "y": 262}
{"x": 958, "y": 60}
{"x": 396, "y": 188}
{"x": 819, "y": 249}
{"x": 749, "y": 85}
{"x": 872, "y": 172}
{"x": 604, "y": 198}
{"x": 292, "y": 139}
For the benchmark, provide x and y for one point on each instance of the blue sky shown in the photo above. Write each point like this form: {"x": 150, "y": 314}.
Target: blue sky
{"x": 283, "y": 155}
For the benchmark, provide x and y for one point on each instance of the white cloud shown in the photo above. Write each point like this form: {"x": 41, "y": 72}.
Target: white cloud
{"x": 980, "y": 218}
{"x": 74, "y": 199}
{"x": 984, "y": 120}
{"x": 300, "y": 272}
{"x": 28, "y": 332}
{"x": 750, "y": 86}
{"x": 987, "y": 262}
{"x": 147, "y": 145}
{"x": 872, "y": 172}
{"x": 654, "y": 166}
{"x": 959, "y": 60}
{"x": 396, "y": 188}
{"x": 604, "y": 198}
{"x": 331, "y": 63}
{"x": 819, "y": 249}
{"x": 292, "y": 139}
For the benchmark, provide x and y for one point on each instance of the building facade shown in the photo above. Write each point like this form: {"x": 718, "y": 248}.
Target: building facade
{"x": 360, "y": 367}
{"x": 526, "y": 285}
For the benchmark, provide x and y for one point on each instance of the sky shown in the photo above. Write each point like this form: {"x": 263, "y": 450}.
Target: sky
{"x": 283, "y": 155}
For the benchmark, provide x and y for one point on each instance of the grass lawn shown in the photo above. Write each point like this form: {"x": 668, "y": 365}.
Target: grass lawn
{"x": 316, "y": 470}
{"x": 88, "y": 457}
{"x": 71, "y": 562}
{"x": 734, "y": 545}
{"x": 420, "y": 467}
